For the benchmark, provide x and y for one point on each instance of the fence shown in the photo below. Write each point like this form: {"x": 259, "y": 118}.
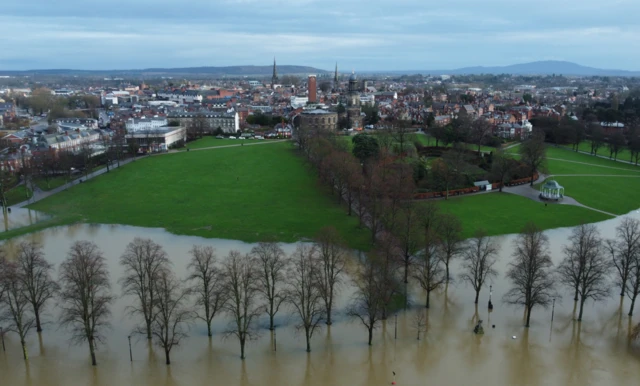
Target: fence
{"x": 475, "y": 189}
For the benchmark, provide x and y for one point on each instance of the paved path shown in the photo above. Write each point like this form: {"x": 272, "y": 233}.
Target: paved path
{"x": 599, "y": 156}
{"x": 39, "y": 194}
{"x": 595, "y": 165}
{"x": 240, "y": 144}
{"x": 534, "y": 194}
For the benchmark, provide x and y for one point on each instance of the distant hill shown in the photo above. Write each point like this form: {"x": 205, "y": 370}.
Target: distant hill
{"x": 548, "y": 67}
{"x": 217, "y": 71}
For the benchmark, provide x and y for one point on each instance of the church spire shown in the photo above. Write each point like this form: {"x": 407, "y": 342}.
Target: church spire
{"x": 335, "y": 76}
{"x": 274, "y": 77}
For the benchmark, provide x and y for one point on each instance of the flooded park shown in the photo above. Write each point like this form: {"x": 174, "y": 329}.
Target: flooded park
{"x": 551, "y": 352}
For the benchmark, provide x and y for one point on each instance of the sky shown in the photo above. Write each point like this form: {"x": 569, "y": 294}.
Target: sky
{"x": 359, "y": 35}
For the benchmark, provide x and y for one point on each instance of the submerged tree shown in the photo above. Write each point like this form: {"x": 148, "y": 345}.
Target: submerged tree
{"x": 271, "y": 262}
{"x": 479, "y": 257}
{"x": 14, "y": 303}
{"x": 428, "y": 271}
{"x": 35, "y": 272}
{"x": 240, "y": 277}
{"x": 367, "y": 303}
{"x": 585, "y": 268}
{"x": 530, "y": 271}
{"x": 624, "y": 248}
{"x": 332, "y": 260}
{"x": 85, "y": 294}
{"x": 408, "y": 232}
{"x": 451, "y": 243}
{"x": 208, "y": 283}
{"x": 303, "y": 291}
{"x": 143, "y": 260}
{"x": 170, "y": 324}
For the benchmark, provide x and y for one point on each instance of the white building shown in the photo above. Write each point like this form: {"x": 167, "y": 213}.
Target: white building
{"x": 188, "y": 96}
{"x": 72, "y": 141}
{"x": 297, "y": 101}
{"x": 159, "y": 139}
{"x": 137, "y": 124}
{"x": 228, "y": 122}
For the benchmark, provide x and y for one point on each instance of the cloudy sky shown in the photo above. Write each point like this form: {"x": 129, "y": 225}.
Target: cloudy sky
{"x": 358, "y": 34}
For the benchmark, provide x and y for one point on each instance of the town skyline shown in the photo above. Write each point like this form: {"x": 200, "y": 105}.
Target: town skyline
{"x": 370, "y": 37}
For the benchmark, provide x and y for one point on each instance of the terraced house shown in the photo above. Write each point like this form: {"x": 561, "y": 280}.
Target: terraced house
{"x": 69, "y": 141}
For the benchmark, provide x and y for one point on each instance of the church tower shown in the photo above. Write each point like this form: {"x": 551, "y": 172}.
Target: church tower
{"x": 336, "y": 83}
{"x": 354, "y": 110}
{"x": 274, "y": 77}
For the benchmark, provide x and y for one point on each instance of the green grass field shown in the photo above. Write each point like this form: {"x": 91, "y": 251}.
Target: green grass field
{"x": 248, "y": 193}
{"x": 53, "y": 182}
{"x": 18, "y": 195}
{"x": 504, "y": 213}
{"x": 584, "y": 163}
{"x": 624, "y": 155}
{"x": 206, "y": 142}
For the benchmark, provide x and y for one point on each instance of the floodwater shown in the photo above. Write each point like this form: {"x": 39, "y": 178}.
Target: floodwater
{"x": 561, "y": 352}
{"x": 20, "y": 217}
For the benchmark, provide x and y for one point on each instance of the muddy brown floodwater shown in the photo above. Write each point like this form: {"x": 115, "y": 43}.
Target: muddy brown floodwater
{"x": 564, "y": 352}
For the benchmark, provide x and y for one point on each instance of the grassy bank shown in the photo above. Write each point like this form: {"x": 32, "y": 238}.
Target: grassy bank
{"x": 249, "y": 193}
{"x": 206, "y": 142}
{"x": 504, "y": 213}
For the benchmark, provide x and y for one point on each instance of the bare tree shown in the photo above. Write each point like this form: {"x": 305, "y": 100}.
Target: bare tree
{"x": 420, "y": 322}
{"x": 480, "y": 131}
{"x": 632, "y": 289}
{"x": 428, "y": 271}
{"x": 208, "y": 286}
{"x": 14, "y": 303}
{"x": 143, "y": 260}
{"x": 585, "y": 268}
{"x": 502, "y": 166}
{"x": 170, "y": 325}
{"x": 85, "y": 295}
{"x": 624, "y": 249}
{"x": 451, "y": 243}
{"x": 534, "y": 153}
{"x": 35, "y": 272}
{"x": 530, "y": 271}
{"x": 272, "y": 263}
{"x": 408, "y": 232}
{"x": 304, "y": 290}
{"x": 585, "y": 241}
{"x": 332, "y": 258}
{"x": 479, "y": 257}
{"x": 367, "y": 303}
{"x": 240, "y": 277}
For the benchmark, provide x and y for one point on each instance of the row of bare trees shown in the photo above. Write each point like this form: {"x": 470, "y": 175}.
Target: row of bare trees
{"x": 591, "y": 268}
{"x": 242, "y": 286}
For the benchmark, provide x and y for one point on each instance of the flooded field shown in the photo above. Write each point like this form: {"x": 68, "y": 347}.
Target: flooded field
{"x": 562, "y": 352}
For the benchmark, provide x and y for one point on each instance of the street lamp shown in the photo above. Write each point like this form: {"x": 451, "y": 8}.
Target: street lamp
{"x": 553, "y": 308}
{"x": 490, "y": 293}
{"x": 395, "y": 333}
{"x": 275, "y": 342}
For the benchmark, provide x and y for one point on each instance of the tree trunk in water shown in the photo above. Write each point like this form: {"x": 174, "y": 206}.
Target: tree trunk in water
{"x": 92, "y": 350}
{"x": 209, "y": 329}
{"x": 406, "y": 269}
{"x": 528, "y": 317}
{"x": 446, "y": 267}
{"x": 242, "y": 349}
{"x": 582, "y": 300}
{"x": 271, "y": 319}
{"x": 370, "y": 335}
{"x": 477, "y": 296}
{"x": 149, "y": 331}
{"x": 308, "y": 340}
{"x": 329, "y": 314}
{"x": 166, "y": 356}
{"x": 575, "y": 297}
{"x": 633, "y": 303}
{"x": 24, "y": 349}
{"x": 37, "y": 315}
{"x": 427, "y": 304}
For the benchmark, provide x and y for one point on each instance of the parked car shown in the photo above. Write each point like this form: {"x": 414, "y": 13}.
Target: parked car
{"x": 219, "y": 137}
{"x": 241, "y": 138}
{"x": 232, "y": 137}
{"x": 259, "y": 137}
